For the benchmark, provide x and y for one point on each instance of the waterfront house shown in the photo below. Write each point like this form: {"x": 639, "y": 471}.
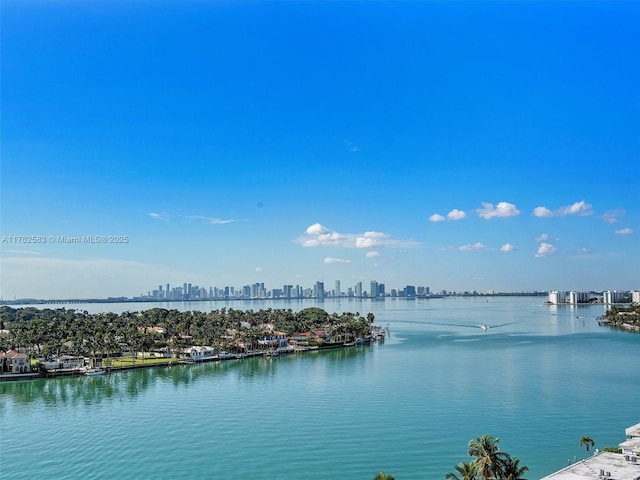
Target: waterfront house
{"x": 275, "y": 339}
{"x": 13, "y": 361}
{"x": 317, "y": 335}
{"x": 63, "y": 362}
{"x": 199, "y": 353}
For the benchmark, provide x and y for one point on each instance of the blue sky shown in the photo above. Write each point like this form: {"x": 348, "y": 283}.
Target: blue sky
{"x": 456, "y": 145}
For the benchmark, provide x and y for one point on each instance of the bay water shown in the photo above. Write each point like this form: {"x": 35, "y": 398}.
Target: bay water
{"x": 539, "y": 378}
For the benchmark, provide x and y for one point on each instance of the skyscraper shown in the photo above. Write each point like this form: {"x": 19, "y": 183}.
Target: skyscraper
{"x": 374, "y": 289}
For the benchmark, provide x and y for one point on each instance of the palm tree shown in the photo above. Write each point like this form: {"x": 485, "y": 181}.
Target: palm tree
{"x": 489, "y": 460}
{"x": 467, "y": 471}
{"x": 384, "y": 476}
{"x": 512, "y": 469}
{"x": 587, "y": 442}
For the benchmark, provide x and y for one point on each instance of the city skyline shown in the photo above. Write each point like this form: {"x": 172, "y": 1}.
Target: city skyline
{"x": 468, "y": 146}
{"x": 187, "y": 291}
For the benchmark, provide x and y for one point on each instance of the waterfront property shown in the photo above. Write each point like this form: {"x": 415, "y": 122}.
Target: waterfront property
{"x": 13, "y": 361}
{"x": 200, "y": 353}
{"x": 67, "y": 341}
{"x": 607, "y": 465}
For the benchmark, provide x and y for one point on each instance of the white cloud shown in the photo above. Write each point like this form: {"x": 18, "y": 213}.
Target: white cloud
{"x": 507, "y": 247}
{"x": 371, "y": 239}
{"x": 312, "y": 242}
{"x": 330, "y": 260}
{"x": 542, "y": 237}
{"x": 436, "y": 218}
{"x": 259, "y": 270}
{"x": 611, "y": 216}
{"x": 475, "y": 246}
{"x": 158, "y": 216}
{"x": 372, "y": 254}
{"x": 351, "y": 146}
{"x": 456, "y": 214}
{"x": 316, "y": 229}
{"x": 545, "y": 249}
{"x": 375, "y": 235}
{"x": 322, "y": 236}
{"x": 580, "y": 208}
{"x": 212, "y": 220}
{"x": 363, "y": 242}
{"x": 24, "y": 252}
{"x": 319, "y": 236}
{"x": 583, "y": 251}
{"x": 624, "y": 231}
{"x": 542, "y": 212}
{"x": 502, "y": 209}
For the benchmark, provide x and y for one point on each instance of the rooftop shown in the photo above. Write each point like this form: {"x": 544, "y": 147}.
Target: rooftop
{"x": 603, "y": 465}
{"x": 633, "y": 431}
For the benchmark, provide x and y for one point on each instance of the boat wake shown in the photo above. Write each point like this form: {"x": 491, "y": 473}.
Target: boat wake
{"x": 482, "y": 326}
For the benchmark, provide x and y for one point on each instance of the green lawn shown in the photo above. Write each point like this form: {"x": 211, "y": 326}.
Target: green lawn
{"x": 127, "y": 362}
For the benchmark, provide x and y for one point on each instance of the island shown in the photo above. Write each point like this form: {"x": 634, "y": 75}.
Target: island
{"x": 53, "y": 342}
{"x": 626, "y": 318}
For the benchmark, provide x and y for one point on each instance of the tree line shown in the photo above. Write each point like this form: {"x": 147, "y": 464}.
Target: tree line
{"x": 619, "y": 315}
{"x": 53, "y": 332}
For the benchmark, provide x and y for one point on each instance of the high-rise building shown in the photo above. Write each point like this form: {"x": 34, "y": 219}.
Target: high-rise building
{"x": 337, "y": 292}
{"x": 579, "y": 297}
{"x": 373, "y": 293}
{"x": 611, "y": 297}
{"x": 258, "y": 290}
{"x": 359, "y": 289}
{"x": 557, "y": 297}
{"x": 410, "y": 291}
{"x": 319, "y": 290}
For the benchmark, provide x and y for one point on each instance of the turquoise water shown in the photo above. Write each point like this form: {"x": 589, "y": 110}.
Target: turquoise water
{"x": 540, "y": 378}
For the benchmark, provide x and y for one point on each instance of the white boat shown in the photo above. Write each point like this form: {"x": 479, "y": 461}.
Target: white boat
{"x": 92, "y": 372}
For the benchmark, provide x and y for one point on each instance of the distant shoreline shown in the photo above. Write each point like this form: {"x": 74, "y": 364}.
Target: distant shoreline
{"x": 35, "y": 301}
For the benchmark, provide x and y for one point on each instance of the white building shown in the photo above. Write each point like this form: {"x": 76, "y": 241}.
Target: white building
{"x": 609, "y": 297}
{"x": 579, "y": 297}
{"x": 200, "y": 354}
{"x": 631, "y": 446}
{"x": 635, "y": 297}
{"x": 556, "y": 297}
